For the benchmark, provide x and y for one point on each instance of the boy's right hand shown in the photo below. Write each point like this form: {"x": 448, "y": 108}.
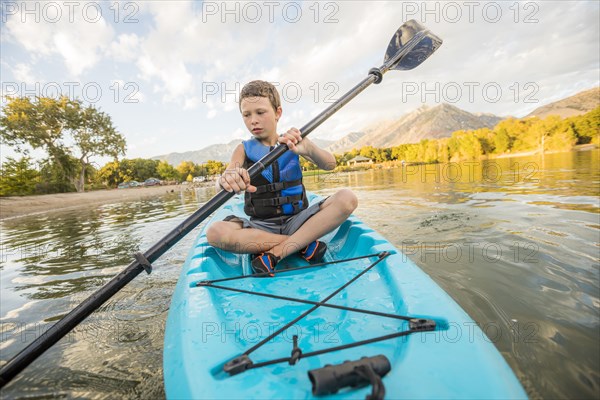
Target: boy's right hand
{"x": 236, "y": 180}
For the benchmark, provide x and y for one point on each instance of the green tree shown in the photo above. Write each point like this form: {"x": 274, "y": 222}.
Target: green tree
{"x": 369, "y": 152}
{"x": 464, "y": 145}
{"x": 562, "y": 137}
{"x": 443, "y": 152}
{"x": 48, "y": 124}
{"x": 520, "y": 133}
{"x": 339, "y": 159}
{"x": 186, "y": 168}
{"x": 142, "y": 169}
{"x": 539, "y": 132}
{"x": 18, "y": 177}
{"x": 486, "y": 139}
{"x": 428, "y": 151}
{"x": 166, "y": 171}
{"x": 214, "y": 167}
{"x": 39, "y": 124}
{"x": 399, "y": 152}
{"x": 587, "y": 127}
{"x": 110, "y": 174}
{"x": 94, "y": 135}
{"x": 126, "y": 170}
{"x": 54, "y": 179}
{"x": 502, "y": 141}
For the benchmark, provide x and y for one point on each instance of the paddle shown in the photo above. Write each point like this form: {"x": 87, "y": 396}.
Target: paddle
{"x": 410, "y": 46}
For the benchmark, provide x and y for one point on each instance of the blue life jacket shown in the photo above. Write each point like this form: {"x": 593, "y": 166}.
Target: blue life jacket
{"x": 279, "y": 187}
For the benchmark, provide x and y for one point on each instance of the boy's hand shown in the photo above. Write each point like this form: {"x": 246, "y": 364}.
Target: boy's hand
{"x": 236, "y": 180}
{"x": 293, "y": 140}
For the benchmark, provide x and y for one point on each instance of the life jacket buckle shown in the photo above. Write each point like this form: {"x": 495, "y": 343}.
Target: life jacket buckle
{"x": 277, "y": 201}
{"x": 271, "y": 187}
{"x": 296, "y": 206}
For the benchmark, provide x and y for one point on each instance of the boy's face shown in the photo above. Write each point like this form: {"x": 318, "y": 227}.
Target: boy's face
{"x": 259, "y": 117}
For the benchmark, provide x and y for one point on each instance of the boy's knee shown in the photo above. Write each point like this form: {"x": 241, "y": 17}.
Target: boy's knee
{"x": 348, "y": 201}
{"x": 217, "y": 233}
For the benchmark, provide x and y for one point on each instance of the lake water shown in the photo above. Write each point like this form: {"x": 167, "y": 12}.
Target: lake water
{"x": 514, "y": 241}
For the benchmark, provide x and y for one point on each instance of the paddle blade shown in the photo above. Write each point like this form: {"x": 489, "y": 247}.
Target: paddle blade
{"x": 410, "y": 46}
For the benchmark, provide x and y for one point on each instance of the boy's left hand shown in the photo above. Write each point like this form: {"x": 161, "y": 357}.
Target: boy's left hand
{"x": 293, "y": 140}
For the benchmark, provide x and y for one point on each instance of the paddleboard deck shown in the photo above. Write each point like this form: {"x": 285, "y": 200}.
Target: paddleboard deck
{"x": 207, "y": 326}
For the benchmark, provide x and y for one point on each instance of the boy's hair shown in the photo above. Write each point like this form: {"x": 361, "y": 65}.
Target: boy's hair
{"x": 260, "y": 89}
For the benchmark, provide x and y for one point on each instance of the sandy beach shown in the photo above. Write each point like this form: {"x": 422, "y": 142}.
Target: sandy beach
{"x": 11, "y": 207}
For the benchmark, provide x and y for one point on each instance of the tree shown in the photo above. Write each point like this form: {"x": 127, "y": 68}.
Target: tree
{"x": 47, "y": 124}
{"x": 428, "y": 151}
{"x": 39, "y": 124}
{"x": 94, "y": 135}
{"x": 562, "y": 137}
{"x": 214, "y": 167}
{"x": 540, "y": 131}
{"x": 519, "y": 132}
{"x": 18, "y": 177}
{"x": 137, "y": 169}
{"x": 443, "y": 152}
{"x": 486, "y": 140}
{"x": 587, "y": 126}
{"x": 166, "y": 171}
{"x": 110, "y": 174}
{"x": 369, "y": 152}
{"x": 464, "y": 145}
{"x": 501, "y": 141}
{"x": 185, "y": 168}
{"x": 53, "y": 178}
{"x": 143, "y": 169}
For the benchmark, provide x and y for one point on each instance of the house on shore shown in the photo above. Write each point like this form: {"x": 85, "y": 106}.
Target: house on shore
{"x": 359, "y": 160}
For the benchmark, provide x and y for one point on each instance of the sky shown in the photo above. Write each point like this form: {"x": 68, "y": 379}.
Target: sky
{"x": 169, "y": 72}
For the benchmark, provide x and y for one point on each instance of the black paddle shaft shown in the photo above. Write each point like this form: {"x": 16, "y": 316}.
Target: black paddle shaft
{"x": 89, "y": 305}
{"x": 410, "y": 46}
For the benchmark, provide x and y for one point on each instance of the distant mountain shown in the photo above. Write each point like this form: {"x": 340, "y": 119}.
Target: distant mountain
{"x": 217, "y": 152}
{"x": 423, "y": 123}
{"x": 345, "y": 142}
{"x": 322, "y": 143}
{"x": 578, "y": 104}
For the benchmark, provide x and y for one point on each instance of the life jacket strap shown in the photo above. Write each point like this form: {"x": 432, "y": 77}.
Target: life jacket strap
{"x": 277, "y": 186}
{"x": 277, "y": 201}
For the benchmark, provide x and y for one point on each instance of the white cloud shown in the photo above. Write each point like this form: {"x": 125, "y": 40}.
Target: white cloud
{"x": 23, "y": 73}
{"x": 80, "y": 43}
{"x": 130, "y": 93}
{"x": 175, "y": 50}
{"x": 191, "y": 103}
{"x": 125, "y": 48}
{"x": 239, "y": 133}
{"x": 36, "y": 38}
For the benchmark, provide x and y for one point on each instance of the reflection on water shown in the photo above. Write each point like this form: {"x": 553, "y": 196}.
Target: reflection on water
{"x": 50, "y": 263}
{"x": 514, "y": 241}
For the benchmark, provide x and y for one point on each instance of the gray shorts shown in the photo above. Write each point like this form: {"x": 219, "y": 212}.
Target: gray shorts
{"x": 285, "y": 225}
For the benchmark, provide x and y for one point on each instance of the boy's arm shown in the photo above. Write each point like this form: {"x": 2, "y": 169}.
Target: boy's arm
{"x": 236, "y": 178}
{"x": 322, "y": 158}
{"x": 308, "y": 149}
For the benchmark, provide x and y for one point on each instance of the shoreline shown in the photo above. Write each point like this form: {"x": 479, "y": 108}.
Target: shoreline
{"x": 21, "y": 206}
{"x": 579, "y": 147}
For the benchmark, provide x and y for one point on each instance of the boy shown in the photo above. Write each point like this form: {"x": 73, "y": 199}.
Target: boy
{"x": 281, "y": 220}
